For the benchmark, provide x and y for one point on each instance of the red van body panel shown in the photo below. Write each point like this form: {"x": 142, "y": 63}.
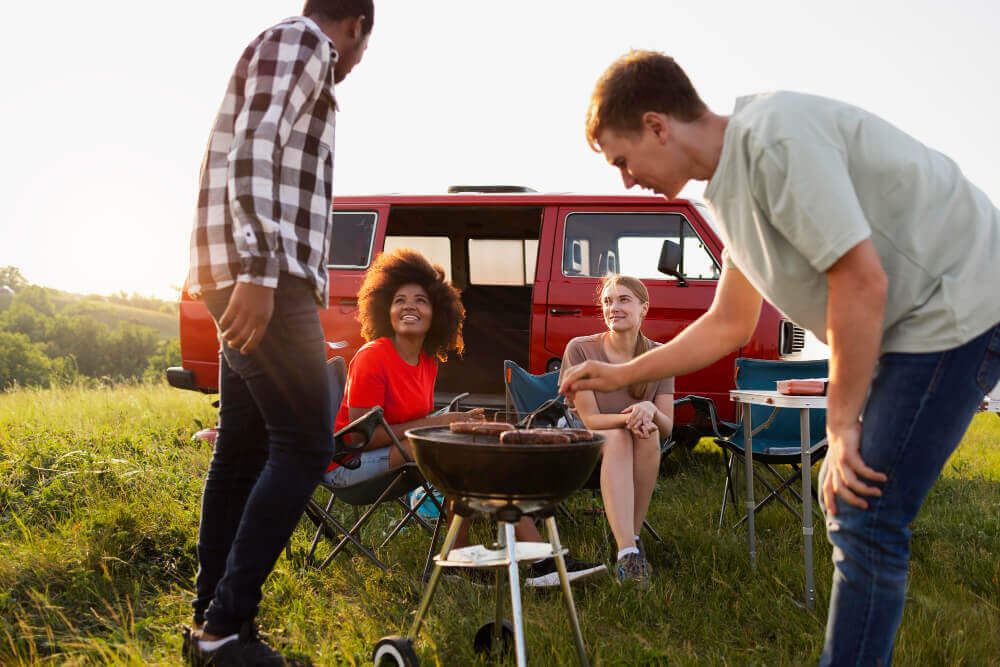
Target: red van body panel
{"x": 562, "y": 306}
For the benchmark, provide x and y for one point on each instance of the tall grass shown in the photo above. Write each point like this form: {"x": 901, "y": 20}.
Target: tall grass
{"x": 99, "y": 496}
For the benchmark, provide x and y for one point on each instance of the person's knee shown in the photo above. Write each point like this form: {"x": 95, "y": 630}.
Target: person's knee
{"x": 868, "y": 542}
{"x": 650, "y": 442}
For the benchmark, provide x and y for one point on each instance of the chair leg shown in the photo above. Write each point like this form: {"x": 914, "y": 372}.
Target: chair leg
{"x": 433, "y": 549}
{"x": 729, "y": 491}
{"x": 316, "y": 513}
{"x": 350, "y": 536}
{"x": 649, "y": 529}
{"x": 773, "y": 494}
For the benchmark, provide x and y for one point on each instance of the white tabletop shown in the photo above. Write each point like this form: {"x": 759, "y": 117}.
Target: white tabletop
{"x": 777, "y": 399}
{"x": 991, "y": 405}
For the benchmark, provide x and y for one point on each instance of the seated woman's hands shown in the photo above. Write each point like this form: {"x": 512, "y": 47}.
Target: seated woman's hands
{"x": 639, "y": 418}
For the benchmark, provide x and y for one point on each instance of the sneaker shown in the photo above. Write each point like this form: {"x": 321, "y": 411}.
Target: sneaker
{"x": 636, "y": 569}
{"x": 544, "y": 574}
{"x": 248, "y": 649}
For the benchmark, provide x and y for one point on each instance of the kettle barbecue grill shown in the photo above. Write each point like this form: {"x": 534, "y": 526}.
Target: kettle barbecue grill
{"x": 480, "y": 474}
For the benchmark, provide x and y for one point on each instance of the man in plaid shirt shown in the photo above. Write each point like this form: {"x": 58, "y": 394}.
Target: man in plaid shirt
{"x": 258, "y": 261}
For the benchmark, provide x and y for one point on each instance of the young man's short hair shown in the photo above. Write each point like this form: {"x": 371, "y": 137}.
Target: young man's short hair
{"x": 638, "y": 82}
{"x": 336, "y": 10}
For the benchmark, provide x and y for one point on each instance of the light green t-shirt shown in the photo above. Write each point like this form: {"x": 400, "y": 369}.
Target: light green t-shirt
{"x": 803, "y": 179}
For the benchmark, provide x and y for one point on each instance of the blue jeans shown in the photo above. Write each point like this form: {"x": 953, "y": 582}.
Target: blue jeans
{"x": 275, "y": 440}
{"x": 918, "y": 410}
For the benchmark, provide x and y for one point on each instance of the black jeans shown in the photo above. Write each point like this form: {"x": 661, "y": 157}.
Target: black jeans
{"x": 274, "y": 442}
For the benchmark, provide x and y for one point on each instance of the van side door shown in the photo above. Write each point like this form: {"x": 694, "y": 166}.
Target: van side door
{"x": 591, "y": 242}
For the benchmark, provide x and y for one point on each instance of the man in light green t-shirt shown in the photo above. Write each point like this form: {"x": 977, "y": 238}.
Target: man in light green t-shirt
{"x": 866, "y": 237}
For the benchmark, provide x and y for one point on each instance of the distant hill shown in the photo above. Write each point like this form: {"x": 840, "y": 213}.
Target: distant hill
{"x": 112, "y": 313}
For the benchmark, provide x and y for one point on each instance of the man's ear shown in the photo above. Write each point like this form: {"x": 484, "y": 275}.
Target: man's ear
{"x": 357, "y": 28}
{"x": 658, "y": 124}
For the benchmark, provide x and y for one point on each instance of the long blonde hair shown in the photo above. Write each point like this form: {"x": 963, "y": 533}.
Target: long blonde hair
{"x": 642, "y": 344}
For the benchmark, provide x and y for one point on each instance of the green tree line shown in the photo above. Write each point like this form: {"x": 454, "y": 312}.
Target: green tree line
{"x": 42, "y": 343}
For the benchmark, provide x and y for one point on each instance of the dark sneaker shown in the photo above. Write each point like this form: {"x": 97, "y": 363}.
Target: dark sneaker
{"x": 635, "y": 569}
{"x": 247, "y": 650}
{"x": 544, "y": 574}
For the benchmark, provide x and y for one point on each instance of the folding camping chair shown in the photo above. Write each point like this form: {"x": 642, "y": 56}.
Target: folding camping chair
{"x": 776, "y": 437}
{"x": 393, "y": 485}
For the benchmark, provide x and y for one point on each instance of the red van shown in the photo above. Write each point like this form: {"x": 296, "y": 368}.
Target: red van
{"x": 528, "y": 265}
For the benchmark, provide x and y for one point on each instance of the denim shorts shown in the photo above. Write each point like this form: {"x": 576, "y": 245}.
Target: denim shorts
{"x": 374, "y": 462}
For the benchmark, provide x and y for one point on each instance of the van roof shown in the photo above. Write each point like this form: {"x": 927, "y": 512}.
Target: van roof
{"x": 506, "y": 199}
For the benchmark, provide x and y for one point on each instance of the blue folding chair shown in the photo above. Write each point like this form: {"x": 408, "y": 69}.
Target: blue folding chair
{"x": 526, "y": 392}
{"x": 775, "y": 434}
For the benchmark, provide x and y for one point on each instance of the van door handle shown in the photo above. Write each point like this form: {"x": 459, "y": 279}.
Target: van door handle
{"x": 565, "y": 311}
{"x": 348, "y": 302}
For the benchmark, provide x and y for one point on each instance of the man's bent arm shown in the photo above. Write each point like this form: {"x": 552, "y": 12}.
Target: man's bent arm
{"x": 726, "y": 326}
{"x": 857, "y": 287}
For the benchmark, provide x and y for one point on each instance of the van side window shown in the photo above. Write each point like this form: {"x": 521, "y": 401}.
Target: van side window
{"x": 437, "y": 249}
{"x": 351, "y": 240}
{"x": 502, "y": 261}
{"x": 599, "y": 243}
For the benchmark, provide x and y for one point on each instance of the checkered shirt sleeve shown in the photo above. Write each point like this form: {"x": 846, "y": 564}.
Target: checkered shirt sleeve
{"x": 266, "y": 182}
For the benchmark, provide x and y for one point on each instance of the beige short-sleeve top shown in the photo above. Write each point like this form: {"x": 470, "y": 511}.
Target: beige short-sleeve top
{"x": 582, "y": 348}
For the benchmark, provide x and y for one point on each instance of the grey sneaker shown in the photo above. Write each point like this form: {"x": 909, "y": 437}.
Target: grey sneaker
{"x": 636, "y": 569}
{"x": 248, "y": 649}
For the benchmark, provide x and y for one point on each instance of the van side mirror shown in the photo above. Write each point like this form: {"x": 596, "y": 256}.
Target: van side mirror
{"x": 670, "y": 262}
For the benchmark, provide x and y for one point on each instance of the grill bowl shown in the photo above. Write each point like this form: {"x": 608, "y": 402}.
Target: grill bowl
{"x": 487, "y": 476}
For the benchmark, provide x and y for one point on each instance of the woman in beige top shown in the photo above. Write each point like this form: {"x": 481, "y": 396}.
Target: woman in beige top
{"x": 634, "y": 421}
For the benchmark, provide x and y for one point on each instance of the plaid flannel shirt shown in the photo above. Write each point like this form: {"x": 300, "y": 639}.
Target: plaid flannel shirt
{"x": 264, "y": 204}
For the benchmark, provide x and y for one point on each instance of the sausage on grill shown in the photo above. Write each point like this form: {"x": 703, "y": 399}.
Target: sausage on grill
{"x": 480, "y": 428}
{"x": 540, "y": 436}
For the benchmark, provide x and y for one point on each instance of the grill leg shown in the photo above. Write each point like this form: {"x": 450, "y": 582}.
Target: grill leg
{"x": 574, "y": 622}
{"x": 515, "y": 594}
{"x": 425, "y": 602}
{"x": 498, "y": 589}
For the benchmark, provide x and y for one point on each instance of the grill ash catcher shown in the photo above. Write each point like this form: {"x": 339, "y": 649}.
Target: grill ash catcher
{"x": 478, "y": 473}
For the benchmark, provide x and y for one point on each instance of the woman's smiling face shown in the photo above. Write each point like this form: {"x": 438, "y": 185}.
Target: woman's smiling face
{"x": 623, "y": 310}
{"x": 410, "y": 311}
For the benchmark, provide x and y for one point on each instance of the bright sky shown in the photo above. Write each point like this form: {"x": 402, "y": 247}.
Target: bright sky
{"x": 107, "y": 105}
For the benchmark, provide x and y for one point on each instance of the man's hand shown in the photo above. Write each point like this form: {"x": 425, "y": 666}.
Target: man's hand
{"x": 245, "y": 320}
{"x": 591, "y": 376}
{"x": 844, "y": 468}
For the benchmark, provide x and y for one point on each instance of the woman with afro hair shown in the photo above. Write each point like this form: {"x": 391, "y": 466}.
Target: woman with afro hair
{"x": 412, "y": 318}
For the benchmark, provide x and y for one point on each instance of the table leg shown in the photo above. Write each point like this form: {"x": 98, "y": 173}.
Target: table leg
{"x": 748, "y": 460}
{"x": 807, "y": 517}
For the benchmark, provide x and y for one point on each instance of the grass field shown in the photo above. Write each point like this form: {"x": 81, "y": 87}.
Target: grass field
{"x": 99, "y": 496}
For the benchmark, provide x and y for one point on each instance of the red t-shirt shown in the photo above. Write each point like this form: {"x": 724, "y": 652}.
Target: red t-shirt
{"x": 377, "y": 375}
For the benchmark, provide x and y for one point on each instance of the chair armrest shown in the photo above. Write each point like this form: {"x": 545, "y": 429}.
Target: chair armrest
{"x": 547, "y": 414}
{"x": 452, "y": 406}
{"x": 364, "y": 427}
{"x": 706, "y": 420}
